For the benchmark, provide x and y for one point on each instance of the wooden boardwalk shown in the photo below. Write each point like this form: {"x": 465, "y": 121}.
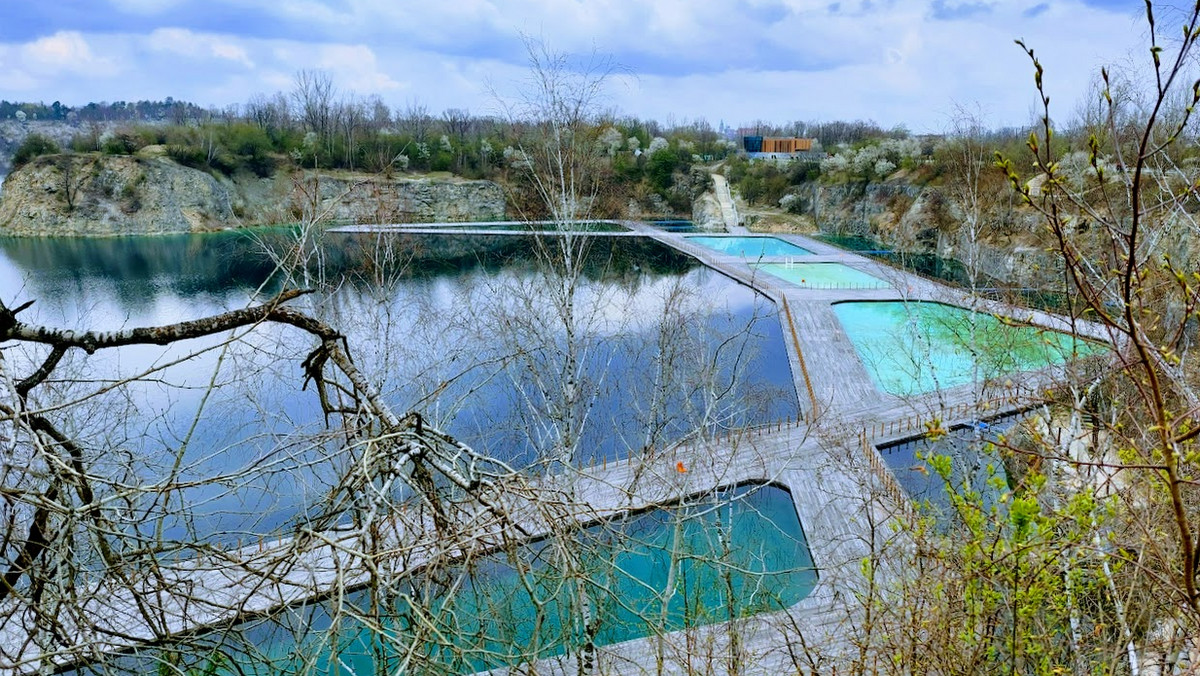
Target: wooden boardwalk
{"x": 827, "y": 461}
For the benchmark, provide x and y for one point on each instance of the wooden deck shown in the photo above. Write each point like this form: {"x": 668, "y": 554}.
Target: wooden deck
{"x": 826, "y": 460}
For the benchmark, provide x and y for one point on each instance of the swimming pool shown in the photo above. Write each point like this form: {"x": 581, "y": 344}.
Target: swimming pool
{"x": 726, "y": 554}
{"x": 915, "y": 347}
{"x": 673, "y": 225}
{"x": 823, "y": 275}
{"x": 972, "y": 461}
{"x": 524, "y": 226}
{"x": 750, "y": 247}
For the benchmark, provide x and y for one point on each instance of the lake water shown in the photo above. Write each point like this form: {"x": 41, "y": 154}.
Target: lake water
{"x": 975, "y": 468}
{"x": 462, "y": 329}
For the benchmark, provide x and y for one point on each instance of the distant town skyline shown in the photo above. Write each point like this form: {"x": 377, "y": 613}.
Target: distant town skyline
{"x": 896, "y": 62}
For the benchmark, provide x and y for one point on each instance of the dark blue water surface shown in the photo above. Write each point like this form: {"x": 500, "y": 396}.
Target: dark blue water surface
{"x": 464, "y": 329}
{"x": 975, "y": 467}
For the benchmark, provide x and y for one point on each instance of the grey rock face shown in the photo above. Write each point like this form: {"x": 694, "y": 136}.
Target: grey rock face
{"x": 89, "y": 194}
{"x": 103, "y": 195}
{"x": 404, "y": 200}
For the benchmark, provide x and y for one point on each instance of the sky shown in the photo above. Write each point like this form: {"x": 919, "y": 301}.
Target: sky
{"x": 896, "y": 62}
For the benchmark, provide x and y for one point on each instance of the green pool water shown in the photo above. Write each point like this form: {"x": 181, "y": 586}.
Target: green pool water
{"x": 823, "y": 275}
{"x": 750, "y": 247}
{"x": 732, "y": 553}
{"x": 915, "y": 347}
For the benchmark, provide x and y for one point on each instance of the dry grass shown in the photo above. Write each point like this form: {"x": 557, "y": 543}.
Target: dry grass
{"x": 777, "y": 221}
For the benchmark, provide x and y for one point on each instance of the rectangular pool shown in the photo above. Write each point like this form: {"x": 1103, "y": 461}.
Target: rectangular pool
{"x": 749, "y": 247}
{"x": 823, "y": 275}
{"x": 915, "y": 347}
{"x": 727, "y": 554}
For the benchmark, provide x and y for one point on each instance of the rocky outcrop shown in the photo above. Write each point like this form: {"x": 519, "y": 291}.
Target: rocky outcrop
{"x": 13, "y": 133}
{"x": 922, "y": 219}
{"x": 862, "y": 208}
{"x": 106, "y": 195}
{"x": 706, "y": 213}
{"x": 406, "y": 200}
{"x": 91, "y": 194}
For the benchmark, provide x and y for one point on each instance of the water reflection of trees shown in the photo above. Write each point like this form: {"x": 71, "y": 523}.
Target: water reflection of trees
{"x": 201, "y": 459}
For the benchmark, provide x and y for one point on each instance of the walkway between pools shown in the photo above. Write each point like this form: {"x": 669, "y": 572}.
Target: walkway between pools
{"x": 842, "y": 490}
{"x": 843, "y": 493}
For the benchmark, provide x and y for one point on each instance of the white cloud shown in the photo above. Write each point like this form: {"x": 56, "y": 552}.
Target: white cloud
{"x": 65, "y": 51}
{"x": 355, "y": 67}
{"x": 197, "y": 45}
{"x": 735, "y": 60}
{"x": 29, "y": 67}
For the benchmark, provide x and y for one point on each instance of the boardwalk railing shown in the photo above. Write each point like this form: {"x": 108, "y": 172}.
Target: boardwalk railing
{"x": 915, "y": 424}
{"x": 887, "y": 481}
{"x": 843, "y": 286}
{"x": 971, "y": 409}
{"x": 812, "y": 396}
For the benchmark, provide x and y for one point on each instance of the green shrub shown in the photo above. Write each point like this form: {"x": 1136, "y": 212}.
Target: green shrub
{"x": 188, "y": 156}
{"x": 34, "y": 145}
{"x": 123, "y": 142}
{"x": 659, "y": 169}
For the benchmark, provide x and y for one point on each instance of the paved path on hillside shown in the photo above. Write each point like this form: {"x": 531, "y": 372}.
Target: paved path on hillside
{"x": 729, "y": 211}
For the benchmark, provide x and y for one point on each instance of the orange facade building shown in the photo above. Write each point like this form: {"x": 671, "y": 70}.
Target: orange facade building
{"x": 786, "y": 145}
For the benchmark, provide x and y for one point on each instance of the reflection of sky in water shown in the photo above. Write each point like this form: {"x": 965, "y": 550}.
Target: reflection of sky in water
{"x": 455, "y": 336}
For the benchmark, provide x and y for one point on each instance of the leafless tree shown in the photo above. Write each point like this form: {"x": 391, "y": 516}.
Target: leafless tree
{"x": 271, "y": 114}
{"x": 416, "y": 121}
{"x": 313, "y": 96}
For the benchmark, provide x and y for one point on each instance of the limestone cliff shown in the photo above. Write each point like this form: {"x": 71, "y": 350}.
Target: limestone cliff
{"x": 91, "y": 194}
{"x": 925, "y": 219}
{"x": 706, "y": 213}
{"x": 357, "y": 199}
{"x": 105, "y": 195}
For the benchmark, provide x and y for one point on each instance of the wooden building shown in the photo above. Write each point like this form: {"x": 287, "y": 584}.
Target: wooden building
{"x": 770, "y": 144}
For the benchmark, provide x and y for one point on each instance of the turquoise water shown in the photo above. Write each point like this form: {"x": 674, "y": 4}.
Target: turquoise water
{"x": 823, "y": 275}
{"x": 911, "y": 348}
{"x": 708, "y": 559}
{"x": 750, "y": 247}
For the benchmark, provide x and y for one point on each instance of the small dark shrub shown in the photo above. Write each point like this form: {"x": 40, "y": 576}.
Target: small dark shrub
{"x": 34, "y": 145}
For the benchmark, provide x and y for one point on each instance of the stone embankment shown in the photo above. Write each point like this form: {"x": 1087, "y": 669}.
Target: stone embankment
{"x": 354, "y": 200}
